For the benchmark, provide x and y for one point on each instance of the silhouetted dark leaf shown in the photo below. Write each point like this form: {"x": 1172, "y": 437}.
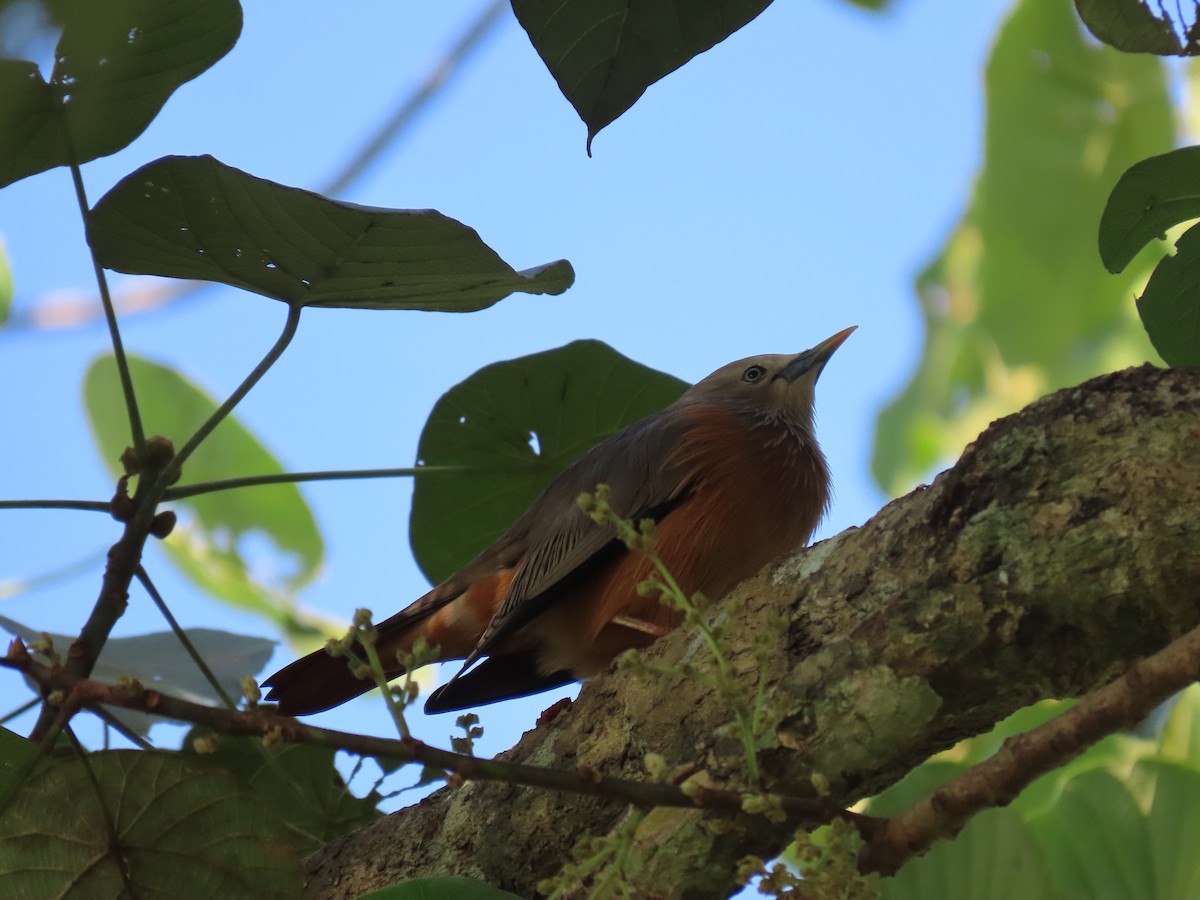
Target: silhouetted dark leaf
{"x": 605, "y": 53}
{"x": 194, "y": 217}
{"x": 116, "y": 64}
{"x": 512, "y": 427}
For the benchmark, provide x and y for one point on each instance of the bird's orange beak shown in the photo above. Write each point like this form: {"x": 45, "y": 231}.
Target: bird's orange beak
{"x": 814, "y": 360}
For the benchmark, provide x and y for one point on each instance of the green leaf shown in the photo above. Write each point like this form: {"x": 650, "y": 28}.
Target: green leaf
{"x": 977, "y": 749}
{"x": 205, "y": 543}
{"x": 932, "y": 774}
{"x": 563, "y": 401}
{"x": 157, "y": 660}
{"x": 452, "y": 887}
{"x": 194, "y": 217}
{"x": 116, "y": 64}
{"x": 916, "y": 785}
{"x": 1131, "y": 25}
{"x": 1170, "y": 305}
{"x": 6, "y": 285}
{"x": 992, "y": 858}
{"x": 181, "y": 830}
{"x": 1179, "y": 739}
{"x": 605, "y": 53}
{"x": 16, "y": 753}
{"x": 1017, "y": 304}
{"x": 1049, "y": 168}
{"x": 997, "y": 854}
{"x": 298, "y": 783}
{"x": 1189, "y": 113}
{"x": 1094, "y": 841}
{"x": 1174, "y": 827}
{"x": 1150, "y": 197}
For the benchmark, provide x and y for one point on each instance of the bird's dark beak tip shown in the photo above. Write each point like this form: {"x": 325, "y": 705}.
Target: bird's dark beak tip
{"x": 817, "y": 356}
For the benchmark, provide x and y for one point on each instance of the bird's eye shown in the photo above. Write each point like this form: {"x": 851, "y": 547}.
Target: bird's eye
{"x": 753, "y": 374}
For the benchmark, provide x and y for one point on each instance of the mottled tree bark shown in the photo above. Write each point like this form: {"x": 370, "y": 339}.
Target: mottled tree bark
{"x": 1061, "y": 547}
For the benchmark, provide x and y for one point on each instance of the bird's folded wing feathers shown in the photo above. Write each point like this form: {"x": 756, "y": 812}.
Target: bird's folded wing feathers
{"x": 505, "y": 553}
{"x": 637, "y": 465}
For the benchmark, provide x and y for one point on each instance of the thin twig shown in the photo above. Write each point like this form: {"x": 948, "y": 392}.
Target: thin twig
{"x": 171, "y": 471}
{"x": 269, "y": 758}
{"x": 182, "y": 637}
{"x": 264, "y": 721}
{"x": 1023, "y": 758}
{"x": 415, "y": 101}
{"x": 110, "y": 313}
{"x": 88, "y": 505}
{"x": 125, "y": 556}
{"x": 14, "y": 587}
{"x": 228, "y": 484}
{"x": 141, "y": 296}
{"x": 20, "y": 710}
{"x": 120, "y": 727}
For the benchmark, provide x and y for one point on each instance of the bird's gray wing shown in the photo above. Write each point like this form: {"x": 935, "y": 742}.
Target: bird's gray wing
{"x": 505, "y": 552}
{"x": 639, "y": 466}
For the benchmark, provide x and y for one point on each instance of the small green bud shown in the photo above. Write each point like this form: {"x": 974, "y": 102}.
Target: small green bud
{"x": 820, "y": 783}
{"x": 769, "y": 806}
{"x": 656, "y": 766}
{"x": 206, "y": 744}
{"x": 250, "y": 689}
{"x": 695, "y": 784}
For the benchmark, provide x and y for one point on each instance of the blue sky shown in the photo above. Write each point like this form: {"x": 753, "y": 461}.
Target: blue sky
{"x": 786, "y": 184}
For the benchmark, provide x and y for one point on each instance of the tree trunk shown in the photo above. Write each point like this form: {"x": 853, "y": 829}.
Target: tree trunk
{"x": 1060, "y": 548}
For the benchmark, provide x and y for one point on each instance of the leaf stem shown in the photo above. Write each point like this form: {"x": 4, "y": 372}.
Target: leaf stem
{"x": 436, "y": 79}
{"x": 270, "y": 759}
{"x": 89, "y": 505}
{"x": 263, "y": 720}
{"x": 111, "y": 721}
{"x": 747, "y": 719}
{"x": 181, "y": 636}
{"x": 20, "y": 710}
{"x": 110, "y": 313}
{"x": 16, "y": 586}
{"x": 228, "y": 484}
{"x": 124, "y": 558}
{"x": 171, "y": 471}
{"x": 381, "y": 679}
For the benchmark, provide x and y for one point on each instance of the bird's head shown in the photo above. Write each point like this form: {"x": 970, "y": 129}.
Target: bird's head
{"x": 779, "y": 386}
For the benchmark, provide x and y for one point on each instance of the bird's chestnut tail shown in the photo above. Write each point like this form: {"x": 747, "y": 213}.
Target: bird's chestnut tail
{"x": 313, "y": 684}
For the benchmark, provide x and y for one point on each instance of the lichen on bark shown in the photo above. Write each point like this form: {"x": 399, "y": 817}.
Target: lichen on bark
{"x": 1059, "y": 549}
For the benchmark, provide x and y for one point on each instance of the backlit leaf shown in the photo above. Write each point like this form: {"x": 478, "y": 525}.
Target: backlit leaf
{"x": 178, "y": 829}
{"x": 605, "y": 53}
{"x": 194, "y": 217}
{"x": 158, "y": 661}
{"x": 1150, "y": 197}
{"x": 1170, "y": 305}
{"x": 510, "y": 428}
{"x": 207, "y": 542}
{"x": 1018, "y": 303}
{"x": 116, "y": 64}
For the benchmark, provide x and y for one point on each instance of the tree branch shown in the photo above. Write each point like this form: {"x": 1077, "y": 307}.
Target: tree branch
{"x": 78, "y": 693}
{"x": 1025, "y": 757}
{"x": 1056, "y": 552}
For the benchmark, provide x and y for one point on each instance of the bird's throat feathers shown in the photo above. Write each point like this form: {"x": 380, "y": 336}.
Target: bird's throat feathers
{"x": 787, "y": 467}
